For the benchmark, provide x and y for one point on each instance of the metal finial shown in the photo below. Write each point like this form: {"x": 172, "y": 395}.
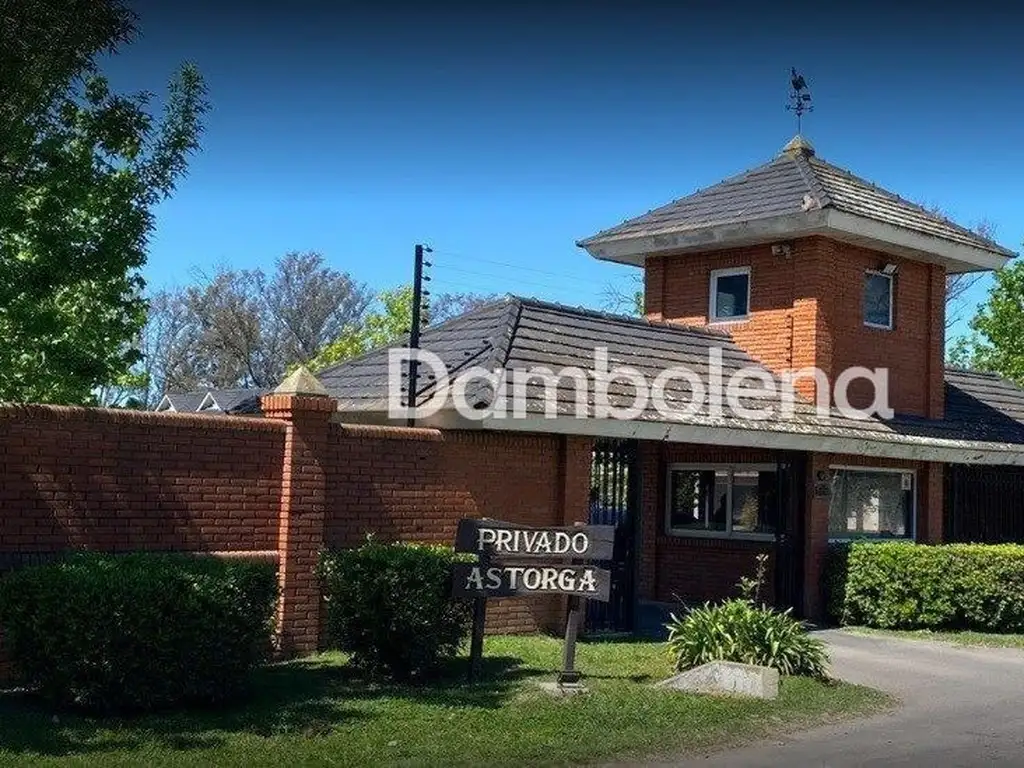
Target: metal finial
{"x": 799, "y": 96}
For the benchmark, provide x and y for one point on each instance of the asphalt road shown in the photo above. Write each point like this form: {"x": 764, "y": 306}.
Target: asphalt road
{"x": 960, "y": 707}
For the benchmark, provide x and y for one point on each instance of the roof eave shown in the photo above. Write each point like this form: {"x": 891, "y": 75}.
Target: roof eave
{"x": 634, "y": 249}
{"x": 955, "y": 257}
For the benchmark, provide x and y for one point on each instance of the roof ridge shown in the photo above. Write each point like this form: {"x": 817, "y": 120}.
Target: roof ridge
{"x": 735, "y": 178}
{"x": 815, "y": 184}
{"x": 629, "y": 319}
{"x": 899, "y": 198}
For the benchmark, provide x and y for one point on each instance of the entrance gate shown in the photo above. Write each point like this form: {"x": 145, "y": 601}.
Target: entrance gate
{"x": 614, "y": 500}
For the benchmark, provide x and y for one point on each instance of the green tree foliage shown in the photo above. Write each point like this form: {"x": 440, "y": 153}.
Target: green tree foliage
{"x": 81, "y": 170}
{"x": 389, "y": 322}
{"x": 996, "y": 340}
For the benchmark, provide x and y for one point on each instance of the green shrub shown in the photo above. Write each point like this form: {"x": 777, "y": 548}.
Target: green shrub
{"x": 746, "y": 631}
{"x": 137, "y": 632}
{"x": 901, "y": 585}
{"x": 390, "y": 607}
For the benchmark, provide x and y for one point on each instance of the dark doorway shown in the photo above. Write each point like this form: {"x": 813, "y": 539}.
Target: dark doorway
{"x": 983, "y": 504}
{"x": 791, "y": 469}
{"x": 614, "y": 500}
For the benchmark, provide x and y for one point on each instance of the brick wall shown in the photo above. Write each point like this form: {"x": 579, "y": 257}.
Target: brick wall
{"x": 806, "y": 310}
{"x": 928, "y": 522}
{"x": 690, "y": 568}
{"x": 415, "y": 485}
{"x": 78, "y": 478}
{"x": 696, "y": 569}
{"x": 287, "y": 484}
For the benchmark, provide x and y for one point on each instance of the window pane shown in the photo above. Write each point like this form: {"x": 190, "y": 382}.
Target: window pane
{"x": 731, "y": 295}
{"x": 870, "y": 504}
{"x": 689, "y": 499}
{"x": 719, "y": 499}
{"x": 754, "y": 501}
{"x": 877, "y": 299}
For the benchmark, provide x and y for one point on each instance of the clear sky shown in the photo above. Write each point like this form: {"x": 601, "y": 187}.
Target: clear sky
{"x": 500, "y": 134}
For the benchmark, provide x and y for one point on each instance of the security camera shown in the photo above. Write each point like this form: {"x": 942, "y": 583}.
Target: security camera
{"x": 781, "y": 249}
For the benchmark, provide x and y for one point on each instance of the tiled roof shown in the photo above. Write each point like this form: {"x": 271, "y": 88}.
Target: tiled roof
{"x": 795, "y": 182}
{"x": 519, "y": 333}
{"x": 228, "y": 401}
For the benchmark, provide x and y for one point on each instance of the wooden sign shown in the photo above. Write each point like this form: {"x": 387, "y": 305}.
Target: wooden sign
{"x": 507, "y": 540}
{"x": 506, "y": 565}
{"x": 503, "y": 580}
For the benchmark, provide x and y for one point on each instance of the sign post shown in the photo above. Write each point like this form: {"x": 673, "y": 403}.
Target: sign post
{"x": 519, "y": 560}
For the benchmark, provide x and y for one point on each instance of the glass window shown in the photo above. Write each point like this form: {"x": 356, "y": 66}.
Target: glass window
{"x": 877, "y": 300}
{"x": 871, "y": 504}
{"x": 730, "y": 293}
{"x": 724, "y": 500}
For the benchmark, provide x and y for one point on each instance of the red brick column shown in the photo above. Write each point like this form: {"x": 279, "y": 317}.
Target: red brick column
{"x": 301, "y": 524}
{"x": 816, "y": 536}
{"x": 931, "y": 504}
{"x": 575, "y": 460}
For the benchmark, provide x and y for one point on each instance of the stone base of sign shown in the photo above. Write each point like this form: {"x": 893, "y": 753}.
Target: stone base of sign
{"x": 727, "y": 677}
{"x": 563, "y": 689}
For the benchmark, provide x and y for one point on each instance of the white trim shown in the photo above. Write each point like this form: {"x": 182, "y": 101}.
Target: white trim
{"x": 203, "y": 405}
{"x": 891, "y": 470}
{"x": 911, "y": 449}
{"x": 713, "y": 318}
{"x": 165, "y": 404}
{"x": 892, "y": 300}
{"x": 731, "y": 468}
{"x": 955, "y": 257}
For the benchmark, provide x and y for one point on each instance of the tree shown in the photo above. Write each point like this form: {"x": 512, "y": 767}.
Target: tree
{"x": 629, "y": 299}
{"x": 390, "y": 322}
{"x": 245, "y": 328}
{"x": 81, "y": 170}
{"x": 996, "y": 341}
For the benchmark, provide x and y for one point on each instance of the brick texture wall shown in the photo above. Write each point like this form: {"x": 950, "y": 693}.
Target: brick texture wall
{"x": 689, "y": 568}
{"x": 807, "y": 310}
{"x": 928, "y": 522}
{"x": 287, "y": 485}
{"x": 695, "y": 569}
{"x": 416, "y": 484}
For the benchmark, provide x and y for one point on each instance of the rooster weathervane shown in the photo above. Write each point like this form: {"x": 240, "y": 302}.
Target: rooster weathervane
{"x": 799, "y": 96}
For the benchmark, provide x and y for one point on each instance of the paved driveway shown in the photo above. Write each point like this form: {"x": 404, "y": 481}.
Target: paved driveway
{"x": 961, "y": 707}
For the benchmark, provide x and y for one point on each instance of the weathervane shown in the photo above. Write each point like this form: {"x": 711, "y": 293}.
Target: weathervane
{"x": 799, "y": 97}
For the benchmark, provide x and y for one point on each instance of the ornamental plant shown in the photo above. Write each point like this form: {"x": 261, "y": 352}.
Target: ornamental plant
{"x": 137, "y": 632}
{"x": 389, "y": 606}
{"x": 745, "y": 630}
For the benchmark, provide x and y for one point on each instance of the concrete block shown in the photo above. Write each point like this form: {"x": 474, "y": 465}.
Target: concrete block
{"x": 728, "y": 677}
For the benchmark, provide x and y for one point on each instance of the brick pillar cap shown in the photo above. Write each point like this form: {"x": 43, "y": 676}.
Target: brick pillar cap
{"x": 301, "y": 382}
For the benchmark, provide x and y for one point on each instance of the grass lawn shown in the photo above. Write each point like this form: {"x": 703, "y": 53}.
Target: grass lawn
{"x": 962, "y": 637}
{"x": 318, "y": 712}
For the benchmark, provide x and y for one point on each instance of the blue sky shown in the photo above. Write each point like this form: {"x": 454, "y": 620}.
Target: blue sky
{"x": 500, "y": 135}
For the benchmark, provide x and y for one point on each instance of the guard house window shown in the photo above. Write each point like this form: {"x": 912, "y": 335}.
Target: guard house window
{"x": 871, "y": 504}
{"x": 730, "y": 294}
{"x": 878, "y": 300}
{"x": 737, "y": 500}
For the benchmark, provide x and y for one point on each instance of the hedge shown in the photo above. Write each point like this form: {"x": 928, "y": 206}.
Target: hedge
{"x": 390, "y": 607}
{"x": 901, "y": 585}
{"x": 137, "y": 632}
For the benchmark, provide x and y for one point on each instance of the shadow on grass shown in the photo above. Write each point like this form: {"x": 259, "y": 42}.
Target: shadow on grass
{"x": 310, "y": 697}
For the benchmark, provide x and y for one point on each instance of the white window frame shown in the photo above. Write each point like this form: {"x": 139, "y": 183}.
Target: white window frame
{"x": 728, "y": 533}
{"x": 713, "y": 295}
{"x": 893, "y": 470}
{"x": 892, "y": 300}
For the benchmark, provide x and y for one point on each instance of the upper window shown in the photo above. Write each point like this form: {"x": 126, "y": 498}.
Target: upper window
{"x": 878, "y": 300}
{"x": 873, "y": 504}
{"x": 730, "y": 294}
{"x": 723, "y": 500}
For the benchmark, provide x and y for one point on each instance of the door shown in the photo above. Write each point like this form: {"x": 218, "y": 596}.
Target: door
{"x": 614, "y": 487}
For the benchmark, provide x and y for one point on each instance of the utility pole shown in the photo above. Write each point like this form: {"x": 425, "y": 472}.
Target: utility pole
{"x": 418, "y": 294}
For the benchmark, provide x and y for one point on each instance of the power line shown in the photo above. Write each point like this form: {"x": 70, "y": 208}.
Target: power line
{"x": 559, "y": 275}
